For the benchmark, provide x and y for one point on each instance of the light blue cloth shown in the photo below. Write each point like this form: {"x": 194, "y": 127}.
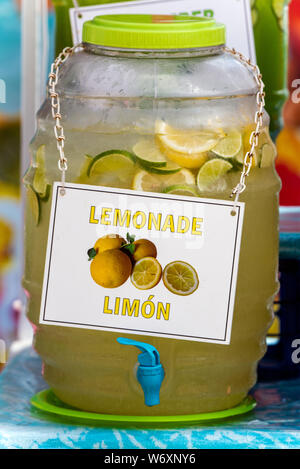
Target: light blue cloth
{"x": 274, "y": 424}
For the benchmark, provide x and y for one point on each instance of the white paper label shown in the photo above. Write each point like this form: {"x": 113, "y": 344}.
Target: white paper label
{"x": 235, "y": 14}
{"x": 201, "y": 233}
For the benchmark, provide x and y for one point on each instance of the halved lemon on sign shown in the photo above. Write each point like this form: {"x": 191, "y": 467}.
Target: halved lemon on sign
{"x": 146, "y": 273}
{"x": 151, "y": 182}
{"x": 212, "y": 173}
{"x": 187, "y": 148}
{"x": 114, "y": 168}
{"x": 180, "y": 278}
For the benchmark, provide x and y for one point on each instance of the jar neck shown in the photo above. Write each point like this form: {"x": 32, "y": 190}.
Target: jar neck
{"x": 153, "y": 54}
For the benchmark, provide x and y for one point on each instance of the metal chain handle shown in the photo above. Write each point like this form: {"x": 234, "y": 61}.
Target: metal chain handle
{"x": 55, "y": 107}
{"x": 260, "y": 100}
{"x": 59, "y": 131}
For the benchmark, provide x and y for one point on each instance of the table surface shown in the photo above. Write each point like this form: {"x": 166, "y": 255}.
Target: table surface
{"x": 275, "y": 423}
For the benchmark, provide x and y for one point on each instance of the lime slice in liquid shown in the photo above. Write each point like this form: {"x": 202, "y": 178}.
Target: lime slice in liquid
{"x": 229, "y": 146}
{"x": 211, "y": 172}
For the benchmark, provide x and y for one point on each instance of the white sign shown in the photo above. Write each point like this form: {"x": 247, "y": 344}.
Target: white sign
{"x": 197, "y": 242}
{"x": 235, "y": 14}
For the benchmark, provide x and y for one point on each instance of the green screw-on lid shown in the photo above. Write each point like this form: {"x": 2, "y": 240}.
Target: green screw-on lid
{"x": 154, "y": 32}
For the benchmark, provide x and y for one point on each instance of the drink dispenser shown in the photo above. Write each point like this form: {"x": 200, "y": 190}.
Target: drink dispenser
{"x": 152, "y": 220}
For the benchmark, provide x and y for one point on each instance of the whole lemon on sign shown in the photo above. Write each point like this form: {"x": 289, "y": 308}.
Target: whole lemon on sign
{"x": 144, "y": 248}
{"x": 111, "y": 241}
{"x": 111, "y": 268}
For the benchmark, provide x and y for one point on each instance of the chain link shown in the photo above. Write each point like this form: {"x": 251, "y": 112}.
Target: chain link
{"x": 55, "y": 107}
{"x": 258, "y": 119}
{"x": 60, "y": 136}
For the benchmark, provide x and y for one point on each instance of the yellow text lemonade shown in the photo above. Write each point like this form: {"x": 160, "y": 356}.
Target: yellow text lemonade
{"x": 139, "y": 220}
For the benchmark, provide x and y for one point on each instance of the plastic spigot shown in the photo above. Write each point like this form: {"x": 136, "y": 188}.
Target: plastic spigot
{"x": 150, "y": 373}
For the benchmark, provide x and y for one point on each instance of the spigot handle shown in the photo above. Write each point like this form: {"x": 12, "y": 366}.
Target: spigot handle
{"x": 150, "y": 373}
{"x": 149, "y": 355}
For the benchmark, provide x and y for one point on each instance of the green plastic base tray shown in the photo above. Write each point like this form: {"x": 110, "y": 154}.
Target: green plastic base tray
{"x": 48, "y": 402}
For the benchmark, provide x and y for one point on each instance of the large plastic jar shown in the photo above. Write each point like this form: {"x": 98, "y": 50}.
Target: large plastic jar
{"x": 166, "y": 82}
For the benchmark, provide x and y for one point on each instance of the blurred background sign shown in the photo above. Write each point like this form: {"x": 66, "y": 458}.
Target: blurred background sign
{"x": 239, "y": 33}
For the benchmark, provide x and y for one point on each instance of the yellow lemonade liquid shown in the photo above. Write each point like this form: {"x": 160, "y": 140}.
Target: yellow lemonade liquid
{"x": 88, "y": 369}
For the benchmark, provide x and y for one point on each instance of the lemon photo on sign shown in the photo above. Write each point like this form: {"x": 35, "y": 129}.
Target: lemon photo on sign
{"x": 114, "y": 260}
{"x": 111, "y": 268}
{"x": 146, "y": 273}
{"x": 180, "y": 278}
{"x": 144, "y": 248}
{"x": 109, "y": 242}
